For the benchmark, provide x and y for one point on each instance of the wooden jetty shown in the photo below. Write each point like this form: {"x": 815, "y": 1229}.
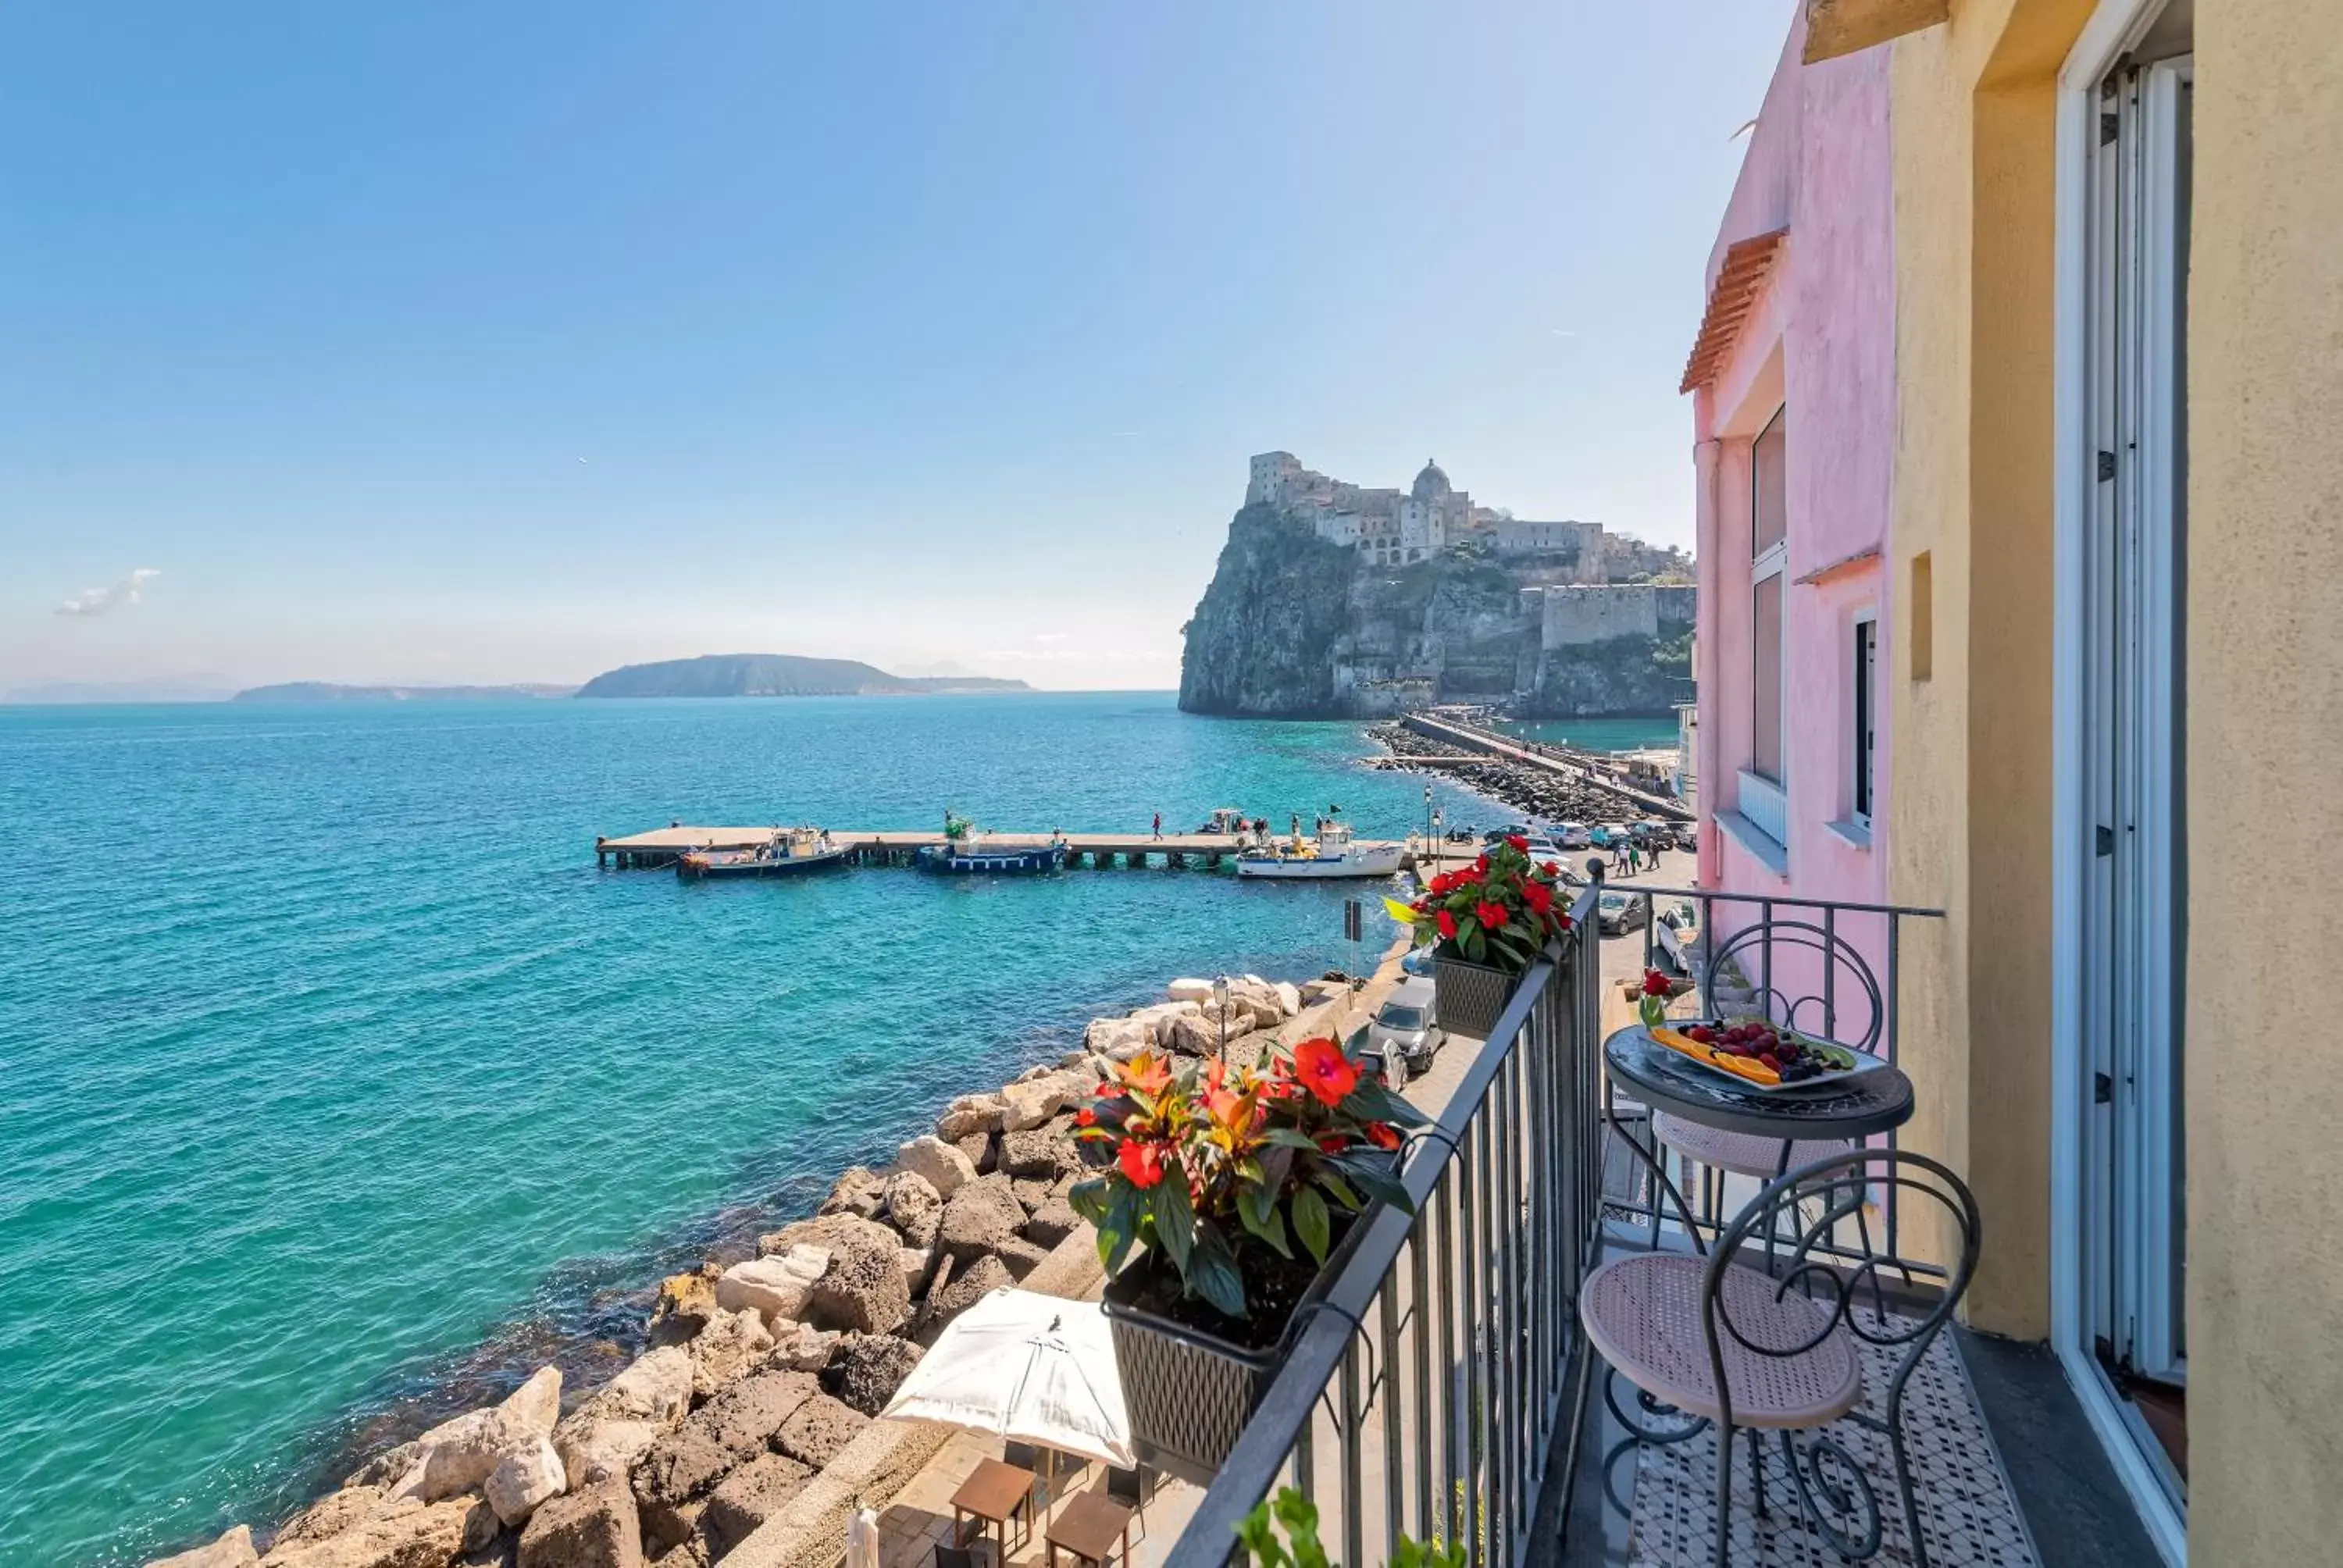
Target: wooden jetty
{"x": 664, "y": 846}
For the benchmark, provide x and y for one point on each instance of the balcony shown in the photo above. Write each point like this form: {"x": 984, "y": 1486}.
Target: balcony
{"x": 1452, "y": 1396}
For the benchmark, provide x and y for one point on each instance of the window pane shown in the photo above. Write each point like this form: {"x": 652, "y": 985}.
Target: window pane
{"x": 1767, "y": 505}
{"x": 1866, "y": 642}
{"x": 1765, "y": 679}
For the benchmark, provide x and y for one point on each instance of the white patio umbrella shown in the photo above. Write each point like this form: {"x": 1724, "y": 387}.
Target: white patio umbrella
{"x": 862, "y": 1540}
{"x": 1032, "y": 1368}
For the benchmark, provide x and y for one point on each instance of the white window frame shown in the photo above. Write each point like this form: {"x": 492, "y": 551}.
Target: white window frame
{"x": 1773, "y": 561}
{"x": 2112, "y": 30}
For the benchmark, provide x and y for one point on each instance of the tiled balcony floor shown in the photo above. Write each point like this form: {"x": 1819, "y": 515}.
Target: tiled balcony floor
{"x": 920, "y": 1517}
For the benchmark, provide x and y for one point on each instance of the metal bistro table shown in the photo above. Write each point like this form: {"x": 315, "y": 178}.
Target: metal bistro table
{"x": 1876, "y": 1101}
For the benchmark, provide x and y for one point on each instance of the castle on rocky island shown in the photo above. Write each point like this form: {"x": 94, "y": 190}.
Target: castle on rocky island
{"x": 1392, "y": 527}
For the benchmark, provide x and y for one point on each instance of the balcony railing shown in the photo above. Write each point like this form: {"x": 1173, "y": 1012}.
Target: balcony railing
{"x": 1441, "y": 1393}
{"x": 1429, "y": 1397}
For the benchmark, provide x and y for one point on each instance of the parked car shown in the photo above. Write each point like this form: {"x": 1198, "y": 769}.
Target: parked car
{"x": 1417, "y": 961}
{"x": 1676, "y": 932}
{"x": 1405, "y": 1034}
{"x": 1544, "y": 849}
{"x": 1573, "y": 836}
{"x": 1618, "y": 913}
{"x": 1513, "y": 830}
{"x": 1687, "y": 835}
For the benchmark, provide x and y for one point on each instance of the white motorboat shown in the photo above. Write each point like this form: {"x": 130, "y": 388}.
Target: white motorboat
{"x": 1332, "y": 853}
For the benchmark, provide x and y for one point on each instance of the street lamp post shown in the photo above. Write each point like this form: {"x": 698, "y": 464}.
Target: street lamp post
{"x": 1220, "y": 1001}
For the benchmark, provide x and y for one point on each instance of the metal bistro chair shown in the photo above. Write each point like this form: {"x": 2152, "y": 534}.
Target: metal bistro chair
{"x": 1712, "y": 1341}
{"x": 1744, "y": 1154}
{"x": 955, "y": 1556}
{"x": 1130, "y": 1486}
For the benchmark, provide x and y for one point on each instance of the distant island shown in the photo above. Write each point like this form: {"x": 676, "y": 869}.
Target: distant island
{"x": 775, "y": 675}
{"x": 325, "y": 691}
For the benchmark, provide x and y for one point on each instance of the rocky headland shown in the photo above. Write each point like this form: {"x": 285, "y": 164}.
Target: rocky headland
{"x": 751, "y": 1410}
{"x": 1295, "y": 626}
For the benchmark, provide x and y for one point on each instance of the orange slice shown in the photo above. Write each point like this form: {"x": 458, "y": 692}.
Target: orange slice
{"x": 1747, "y": 1066}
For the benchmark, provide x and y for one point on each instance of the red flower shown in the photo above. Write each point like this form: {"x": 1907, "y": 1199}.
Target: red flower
{"x": 1321, "y": 1067}
{"x": 1552, "y": 868}
{"x": 1447, "y": 925}
{"x": 1332, "y": 1142}
{"x": 1382, "y": 1135}
{"x": 1538, "y": 896}
{"x": 1086, "y": 1117}
{"x": 1492, "y": 917}
{"x": 1481, "y": 864}
{"x": 1518, "y": 842}
{"x": 1654, "y": 984}
{"x": 1441, "y": 885}
{"x": 1141, "y": 1162}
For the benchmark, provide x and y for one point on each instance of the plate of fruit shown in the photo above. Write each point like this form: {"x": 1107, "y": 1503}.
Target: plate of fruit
{"x": 1764, "y": 1056}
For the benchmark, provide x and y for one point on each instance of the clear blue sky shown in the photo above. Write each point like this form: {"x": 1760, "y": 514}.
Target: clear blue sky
{"x": 504, "y": 342}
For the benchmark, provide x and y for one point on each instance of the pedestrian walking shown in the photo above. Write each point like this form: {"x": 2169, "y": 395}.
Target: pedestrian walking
{"x": 1159, "y": 824}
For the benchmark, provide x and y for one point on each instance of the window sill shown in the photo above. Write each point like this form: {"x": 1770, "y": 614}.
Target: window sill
{"x": 1855, "y": 833}
{"x": 1766, "y": 851}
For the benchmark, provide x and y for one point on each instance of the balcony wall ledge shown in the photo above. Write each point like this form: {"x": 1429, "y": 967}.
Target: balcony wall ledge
{"x": 1754, "y": 842}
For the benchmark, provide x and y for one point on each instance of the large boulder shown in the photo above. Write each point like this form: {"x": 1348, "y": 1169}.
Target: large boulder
{"x": 822, "y": 1427}
{"x": 1045, "y": 1152}
{"x": 682, "y": 1467}
{"x": 983, "y": 1150}
{"x": 1158, "y": 1018}
{"x": 329, "y": 1515}
{"x": 919, "y": 1266}
{"x": 595, "y": 1451}
{"x": 597, "y": 1528}
{"x": 233, "y": 1550}
{"x": 915, "y": 1206}
{"x": 747, "y": 1498}
{"x": 863, "y": 1288}
{"x": 968, "y": 1113}
{"x": 656, "y": 1388}
{"x": 523, "y": 1478}
{"x": 774, "y": 1285}
{"x": 1288, "y": 998}
{"x": 829, "y": 1232}
{"x": 726, "y": 1350}
{"x": 1031, "y": 1103}
{"x": 1190, "y": 1035}
{"x": 1118, "y": 1039}
{"x": 1052, "y": 1222}
{"x": 405, "y": 1533}
{"x": 804, "y": 1348}
{"x": 386, "y": 1468}
{"x": 536, "y": 1405}
{"x": 938, "y": 1162}
{"x": 978, "y": 1219}
{"x": 744, "y": 1418}
{"x": 685, "y": 1301}
{"x": 966, "y": 1287}
{"x": 866, "y": 1371}
{"x": 1021, "y": 1256}
{"x": 861, "y": 1191}
{"x": 1190, "y": 989}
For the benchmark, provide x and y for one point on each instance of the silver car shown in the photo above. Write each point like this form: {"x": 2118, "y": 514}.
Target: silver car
{"x": 1406, "y": 1032}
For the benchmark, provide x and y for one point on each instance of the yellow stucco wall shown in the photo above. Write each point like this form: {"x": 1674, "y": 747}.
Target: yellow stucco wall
{"x": 2265, "y": 717}
{"x": 1970, "y": 804}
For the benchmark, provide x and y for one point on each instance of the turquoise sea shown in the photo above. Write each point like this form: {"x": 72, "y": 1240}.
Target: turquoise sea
{"x": 1597, "y": 734}
{"x": 338, "y": 1086}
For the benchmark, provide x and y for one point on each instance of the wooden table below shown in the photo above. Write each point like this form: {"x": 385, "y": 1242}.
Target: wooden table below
{"x": 1089, "y": 1526}
{"x": 993, "y": 1491}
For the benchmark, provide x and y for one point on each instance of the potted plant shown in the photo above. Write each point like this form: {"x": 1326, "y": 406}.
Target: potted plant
{"x": 1225, "y": 1201}
{"x": 1487, "y": 923}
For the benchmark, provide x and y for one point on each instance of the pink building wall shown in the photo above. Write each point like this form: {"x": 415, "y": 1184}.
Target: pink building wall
{"x": 1819, "y": 341}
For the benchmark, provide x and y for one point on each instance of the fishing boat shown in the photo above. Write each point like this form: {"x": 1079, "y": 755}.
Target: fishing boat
{"x": 788, "y": 852}
{"x": 1332, "y": 853}
{"x": 965, "y": 852}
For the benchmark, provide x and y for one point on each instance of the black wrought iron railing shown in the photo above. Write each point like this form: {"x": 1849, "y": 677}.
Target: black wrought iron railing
{"x": 1441, "y": 1391}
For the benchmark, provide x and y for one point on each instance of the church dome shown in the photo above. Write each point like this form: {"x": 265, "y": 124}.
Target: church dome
{"x": 1432, "y": 483}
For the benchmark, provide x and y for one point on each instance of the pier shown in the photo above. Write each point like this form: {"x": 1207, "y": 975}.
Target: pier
{"x": 664, "y": 846}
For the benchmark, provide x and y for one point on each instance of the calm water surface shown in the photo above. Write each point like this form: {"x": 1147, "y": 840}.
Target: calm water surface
{"x": 328, "y": 1057}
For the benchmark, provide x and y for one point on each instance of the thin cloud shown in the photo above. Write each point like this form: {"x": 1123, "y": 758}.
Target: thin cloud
{"x": 113, "y": 596}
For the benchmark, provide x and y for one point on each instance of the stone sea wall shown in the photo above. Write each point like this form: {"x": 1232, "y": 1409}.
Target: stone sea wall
{"x": 745, "y": 1435}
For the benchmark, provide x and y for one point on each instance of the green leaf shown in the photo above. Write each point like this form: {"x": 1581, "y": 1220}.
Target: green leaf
{"x": 1312, "y": 1223}
{"x": 1175, "y": 1222}
{"x": 1287, "y": 1137}
{"x": 1213, "y": 1272}
{"x": 1261, "y": 1542}
{"x": 1375, "y": 1173}
{"x": 1089, "y": 1200}
{"x": 1344, "y": 1194}
{"x": 1121, "y": 1230}
{"x": 1257, "y": 1207}
{"x": 1373, "y": 1101}
{"x": 1299, "y": 1517}
{"x": 1468, "y": 937}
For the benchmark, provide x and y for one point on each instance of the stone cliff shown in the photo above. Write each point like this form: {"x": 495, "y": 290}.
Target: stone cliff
{"x": 1295, "y": 627}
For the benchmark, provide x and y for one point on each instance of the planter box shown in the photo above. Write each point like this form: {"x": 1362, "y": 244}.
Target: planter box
{"x": 1471, "y": 996}
{"x": 1189, "y": 1393}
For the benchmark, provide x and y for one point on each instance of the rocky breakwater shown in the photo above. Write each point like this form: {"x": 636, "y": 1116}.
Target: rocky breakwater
{"x": 1534, "y": 791}
{"x": 753, "y": 1404}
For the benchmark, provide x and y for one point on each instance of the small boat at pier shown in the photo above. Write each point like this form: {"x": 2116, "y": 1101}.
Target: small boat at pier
{"x": 965, "y": 852}
{"x": 1332, "y": 853}
{"x": 788, "y": 852}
